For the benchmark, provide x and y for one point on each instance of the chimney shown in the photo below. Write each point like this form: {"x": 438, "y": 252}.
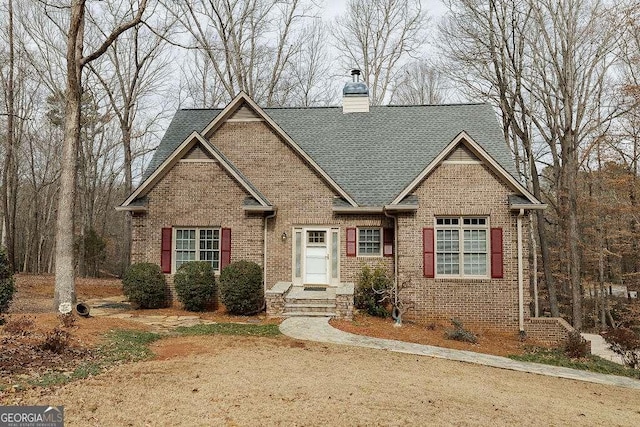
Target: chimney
{"x": 355, "y": 95}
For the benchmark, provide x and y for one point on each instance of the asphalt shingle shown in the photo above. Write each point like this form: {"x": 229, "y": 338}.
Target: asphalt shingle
{"x": 373, "y": 156}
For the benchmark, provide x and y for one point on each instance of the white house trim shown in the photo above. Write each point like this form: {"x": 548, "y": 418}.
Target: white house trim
{"x": 481, "y": 154}
{"x": 170, "y": 161}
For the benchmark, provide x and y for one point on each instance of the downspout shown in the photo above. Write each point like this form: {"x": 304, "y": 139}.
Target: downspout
{"x": 520, "y": 274}
{"x": 264, "y": 253}
{"x": 395, "y": 256}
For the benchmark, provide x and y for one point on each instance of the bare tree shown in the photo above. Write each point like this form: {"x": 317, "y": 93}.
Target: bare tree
{"x": 199, "y": 83}
{"x": 9, "y": 169}
{"x": 311, "y": 72}
{"x": 377, "y": 36}
{"x": 133, "y": 70}
{"x": 572, "y": 53}
{"x": 546, "y": 65}
{"x": 418, "y": 82}
{"x": 250, "y": 44}
{"x": 487, "y": 50}
{"x": 64, "y": 295}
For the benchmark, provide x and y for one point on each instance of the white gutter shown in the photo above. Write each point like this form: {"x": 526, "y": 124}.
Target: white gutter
{"x": 259, "y": 209}
{"x": 520, "y": 273}
{"x": 532, "y": 206}
{"x": 264, "y": 252}
{"x": 401, "y": 208}
{"x": 357, "y": 210}
{"x": 132, "y": 208}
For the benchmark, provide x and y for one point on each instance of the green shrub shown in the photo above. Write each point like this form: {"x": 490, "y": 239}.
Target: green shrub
{"x": 7, "y": 288}
{"x": 145, "y": 285}
{"x": 459, "y": 333}
{"x": 195, "y": 284}
{"x": 241, "y": 288}
{"x": 372, "y": 284}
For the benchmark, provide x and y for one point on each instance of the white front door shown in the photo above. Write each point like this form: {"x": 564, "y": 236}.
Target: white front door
{"x": 316, "y": 265}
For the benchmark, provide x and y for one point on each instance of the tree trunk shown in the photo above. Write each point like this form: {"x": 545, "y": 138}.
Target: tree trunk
{"x": 542, "y": 238}
{"x": 573, "y": 232}
{"x": 65, "y": 292}
{"x": 8, "y": 167}
{"x": 128, "y": 187}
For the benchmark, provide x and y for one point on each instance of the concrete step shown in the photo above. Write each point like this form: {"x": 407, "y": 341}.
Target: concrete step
{"x": 310, "y": 301}
{"x": 311, "y": 305}
{"x": 309, "y": 314}
{"x": 309, "y": 308}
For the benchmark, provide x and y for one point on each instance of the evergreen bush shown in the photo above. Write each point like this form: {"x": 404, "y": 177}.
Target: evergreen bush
{"x": 241, "y": 288}
{"x": 195, "y": 284}
{"x": 7, "y": 286}
{"x": 372, "y": 284}
{"x": 144, "y": 284}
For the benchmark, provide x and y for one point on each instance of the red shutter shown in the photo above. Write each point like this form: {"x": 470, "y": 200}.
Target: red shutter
{"x": 351, "y": 242}
{"x": 496, "y": 253}
{"x": 388, "y": 238}
{"x": 165, "y": 258}
{"x": 225, "y": 248}
{"x": 428, "y": 255}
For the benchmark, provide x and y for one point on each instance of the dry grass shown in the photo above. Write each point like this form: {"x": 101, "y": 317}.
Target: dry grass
{"x": 220, "y": 380}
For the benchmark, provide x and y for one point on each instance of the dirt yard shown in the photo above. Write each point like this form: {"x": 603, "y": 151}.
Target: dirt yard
{"x": 224, "y": 380}
{"x": 270, "y": 381}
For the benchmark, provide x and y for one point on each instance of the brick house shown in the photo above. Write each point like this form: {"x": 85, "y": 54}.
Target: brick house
{"x": 312, "y": 194}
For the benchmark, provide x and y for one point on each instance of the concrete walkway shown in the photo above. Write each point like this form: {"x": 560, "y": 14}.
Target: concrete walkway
{"x": 318, "y": 329}
{"x": 599, "y": 347}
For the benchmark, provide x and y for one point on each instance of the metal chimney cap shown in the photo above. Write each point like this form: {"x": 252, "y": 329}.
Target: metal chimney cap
{"x": 355, "y": 88}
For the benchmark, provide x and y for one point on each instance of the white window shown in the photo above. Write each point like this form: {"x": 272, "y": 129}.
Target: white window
{"x": 197, "y": 244}
{"x": 461, "y": 247}
{"x": 369, "y": 242}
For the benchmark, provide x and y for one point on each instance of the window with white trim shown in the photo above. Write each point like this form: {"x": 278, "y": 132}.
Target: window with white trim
{"x": 461, "y": 247}
{"x": 370, "y": 241}
{"x": 197, "y": 244}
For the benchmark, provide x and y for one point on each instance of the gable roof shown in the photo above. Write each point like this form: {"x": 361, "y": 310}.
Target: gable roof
{"x": 372, "y": 156}
{"x": 479, "y": 152}
{"x": 190, "y": 141}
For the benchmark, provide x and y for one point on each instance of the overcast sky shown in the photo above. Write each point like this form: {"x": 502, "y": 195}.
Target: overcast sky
{"x": 434, "y": 8}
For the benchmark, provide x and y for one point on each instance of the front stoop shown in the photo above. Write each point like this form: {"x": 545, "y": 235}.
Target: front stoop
{"x": 286, "y": 300}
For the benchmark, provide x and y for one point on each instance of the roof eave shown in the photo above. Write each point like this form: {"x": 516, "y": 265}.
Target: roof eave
{"x": 357, "y": 209}
{"x": 260, "y": 208}
{"x": 478, "y": 151}
{"x": 401, "y": 208}
{"x": 173, "y": 158}
{"x": 132, "y": 208}
{"x": 527, "y": 206}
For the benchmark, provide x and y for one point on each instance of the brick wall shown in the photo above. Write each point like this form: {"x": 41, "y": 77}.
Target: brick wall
{"x": 301, "y": 195}
{"x": 462, "y": 190}
{"x": 549, "y": 330}
{"x": 202, "y": 194}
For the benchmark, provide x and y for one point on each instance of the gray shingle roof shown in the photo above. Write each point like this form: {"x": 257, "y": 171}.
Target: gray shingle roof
{"x": 372, "y": 156}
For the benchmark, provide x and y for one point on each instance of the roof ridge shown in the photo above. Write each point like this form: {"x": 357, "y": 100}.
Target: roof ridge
{"x": 200, "y": 109}
{"x": 450, "y": 104}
